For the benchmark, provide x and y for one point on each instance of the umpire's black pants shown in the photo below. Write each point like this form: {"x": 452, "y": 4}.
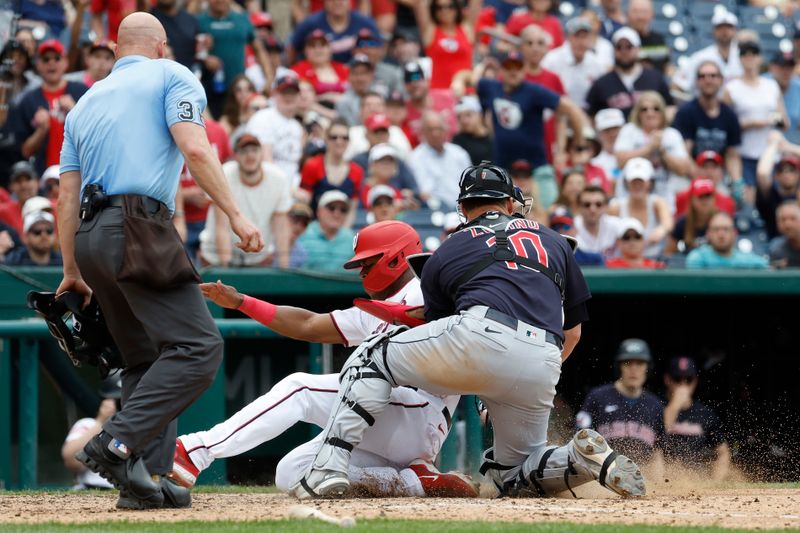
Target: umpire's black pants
{"x": 167, "y": 338}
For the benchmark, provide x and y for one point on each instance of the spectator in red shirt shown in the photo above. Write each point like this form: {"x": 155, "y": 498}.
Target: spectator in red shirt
{"x": 540, "y": 13}
{"x": 631, "y": 247}
{"x": 115, "y": 10}
{"x": 422, "y": 98}
{"x": 328, "y": 77}
{"x": 710, "y": 165}
{"x": 447, "y": 35}
{"x": 331, "y": 171}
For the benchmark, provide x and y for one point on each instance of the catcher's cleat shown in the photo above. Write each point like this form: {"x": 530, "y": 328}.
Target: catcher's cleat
{"x": 175, "y": 497}
{"x": 615, "y": 472}
{"x": 183, "y": 473}
{"x": 441, "y": 485}
{"x": 322, "y": 484}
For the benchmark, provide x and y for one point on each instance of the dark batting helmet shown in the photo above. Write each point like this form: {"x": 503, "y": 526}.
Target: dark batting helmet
{"x": 392, "y": 241}
{"x": 634, "y": 350}
{"x": 487, "y": 181}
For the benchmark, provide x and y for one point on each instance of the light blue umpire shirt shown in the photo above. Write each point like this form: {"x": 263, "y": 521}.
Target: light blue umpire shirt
{"x": 118, "y": 135}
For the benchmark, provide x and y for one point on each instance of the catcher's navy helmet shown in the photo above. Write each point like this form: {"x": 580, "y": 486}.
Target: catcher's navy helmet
{"x": 487, "y": 181}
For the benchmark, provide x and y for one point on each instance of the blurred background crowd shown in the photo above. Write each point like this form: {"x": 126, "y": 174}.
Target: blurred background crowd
{"x": 659, "y": 133}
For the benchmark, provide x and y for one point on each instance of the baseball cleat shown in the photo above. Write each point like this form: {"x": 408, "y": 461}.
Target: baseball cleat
{"x": 183, "y": 473}
{"x": 615, "y": 472}
{"x": 322, "y": 484}
{"x": 175, "y": 497}
{"x": 441, "y": 485}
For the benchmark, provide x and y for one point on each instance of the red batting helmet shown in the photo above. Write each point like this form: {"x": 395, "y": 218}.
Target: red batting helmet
{"x": 393, "y": 241}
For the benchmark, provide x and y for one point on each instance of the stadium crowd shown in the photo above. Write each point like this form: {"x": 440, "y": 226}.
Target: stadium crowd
{"x": 331, "y": 114}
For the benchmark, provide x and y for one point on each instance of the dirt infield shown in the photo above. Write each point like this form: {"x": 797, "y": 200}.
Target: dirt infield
{"x": 737, "y": 507}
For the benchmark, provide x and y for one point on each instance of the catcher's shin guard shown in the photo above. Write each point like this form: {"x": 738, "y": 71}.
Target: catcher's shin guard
{"x": 363, "y": 395}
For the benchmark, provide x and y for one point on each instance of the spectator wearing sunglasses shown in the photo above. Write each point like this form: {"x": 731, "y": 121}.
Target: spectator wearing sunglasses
{"x": 40, "y": 240}
{"x": 620, "y": 87}
{"x": 694, "y": 435}
{"x": 631, "y": 246}
{"x": 327, "y": 241}
{"x": 597, "y": 231}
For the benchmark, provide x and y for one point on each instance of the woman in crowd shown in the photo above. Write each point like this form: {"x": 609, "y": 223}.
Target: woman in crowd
{"x": 572, "y": 183}
{"x": 328, "y": 77}
{"x": 234, "y": 112}
{"x": 447, "y": 35}
{"x": 252, "y": 105}
{"x": 758, "y": 103}
{"x": 648, "y": 135}
{"x": 690, "y": 229}
{"x": 650, "y": 210}
{"x": 331, "y": 171}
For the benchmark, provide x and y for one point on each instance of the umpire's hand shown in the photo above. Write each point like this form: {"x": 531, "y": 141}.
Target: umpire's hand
{"x": 251, "y": 239}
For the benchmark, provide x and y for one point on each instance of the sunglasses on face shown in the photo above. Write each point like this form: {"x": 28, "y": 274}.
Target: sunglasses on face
{"x": 338, "y": 207}
{"x": 749, "y": 53}
{"x": 645, "y": 109}
{"x": 708, "y": 75}
{"x": 624, "y": 47}
{"x": 631, "y": 237}
{"x": 683, "y": 380}
{"x": 339, "y": 137}
{"x": 383, "y": 201}
{"x": 589, "y": 205}
{"x": 39, "y": 231}
{"x": 786, "y": 168}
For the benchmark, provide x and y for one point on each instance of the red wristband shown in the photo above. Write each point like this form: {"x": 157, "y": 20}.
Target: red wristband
{"x": 259, "y": 310}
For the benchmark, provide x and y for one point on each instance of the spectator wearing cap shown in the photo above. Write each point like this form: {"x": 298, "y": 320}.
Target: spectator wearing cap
{"x": 300, "y": 216}
{"x": 784, "y": 250}
{"x": 777, "y": 183}
{"x": 640, "y": 204}
{"x": 331, "y": 171}
{"x": 373, "y": 120}
{"x": 280, "y": 134}
{"x": 327, "y": 241}
{"x": 387, "y": 76}
{"x": 694, "y": 435}
{"x": 436, "y": 163}
{"x": 724, "y": 52}
{"x": 37, "y": 204}
{"x": 631, "y": 246}
{"x": 758, "y": 103}
{"x": 580, "y": 154}
{"x": 628, "y": 416}
{"x": 473, "y": 135}
{"x": 328, "y": 77}
{"x": 575, "y": 63}
{"x": 654, "y": 51}
{"x": 607, "y": 124}
{"x": 181, "y": 27}
{"x": 447, "y": 32}
{"x": 535, "y": 44}
{"x": 422, "y": 98}
{"x": 361, "y": 81}
{"x": 99, "y": 63}
{"x": 721, "y": 250}
{"x": 382, "y": 203}
{"x": 629, "y": 78}
{"x": 690, "y": 229}
{"x": 708, "y": 124}
{"x": 649, "y": 135}
{"x": 264, "y": 30}
{"x": 599, "y": 44}
{"x": 539, "y": 13}
{"x": 36, "y": 119}
{"x": 49, "y": 183}
{"x": 382, "y": 169}
{"x": 263, "y": 193}
{"x": 23, "y": 185}
{"x": 39, "y": 249}
{"x": 562, "y": 222}
{"x": 230, "y": 32}
{"x": 378, "y": 131}
{"x": 710, "y": 167}
{"x": 781, "y": 68}
{"x": 517, "y": 107}
{"x": 597, "y": 231}
{"x": 340, "y": 22}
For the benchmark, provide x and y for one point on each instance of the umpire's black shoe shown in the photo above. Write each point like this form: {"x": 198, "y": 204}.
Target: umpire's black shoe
{"x": 128, "y": 474}
{"x": 175, "y": 497}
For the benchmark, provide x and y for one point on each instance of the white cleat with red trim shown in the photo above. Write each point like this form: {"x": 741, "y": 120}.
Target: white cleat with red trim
{"x": 443, "y": 485}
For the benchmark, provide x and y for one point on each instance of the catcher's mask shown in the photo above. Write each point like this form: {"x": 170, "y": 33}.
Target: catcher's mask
{"x": 486, "y": 180}
{"x": 88, "y": 341}
{"x": 392, "y": 241}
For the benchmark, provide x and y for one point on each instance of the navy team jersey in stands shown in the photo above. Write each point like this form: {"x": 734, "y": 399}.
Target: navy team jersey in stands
{"x": 517, "y": 291}
{"x": 517, "y": 119}
{"x": 694, "y": 437}
{"x": 633, "y": 427}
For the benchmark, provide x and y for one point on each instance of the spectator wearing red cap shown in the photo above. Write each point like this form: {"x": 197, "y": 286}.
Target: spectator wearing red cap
{"x": 36, "y": 119}
{"x": 784, "y": 250}
{"x": 181, "y": 27}
{"x": 374, "y": 118}
{"x": 721, "y": 251}
{"x": 708, "y": 124}
{"x": 331, "y": 171}
{"x": 690, "y": 229}
{"x": 777, "y": 184}
{"x": 447, "y": 34}
{"x": 328, "y": 77}
{"x": 709, "y": 165}
{"x": 631, "y": 245}
{"x": 99, "y": 63}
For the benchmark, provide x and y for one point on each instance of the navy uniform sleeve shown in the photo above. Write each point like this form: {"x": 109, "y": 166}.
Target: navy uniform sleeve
{"x": 437, "y": 303}
{"x": 184, "y": 97}
{"x": 576, "y": 292}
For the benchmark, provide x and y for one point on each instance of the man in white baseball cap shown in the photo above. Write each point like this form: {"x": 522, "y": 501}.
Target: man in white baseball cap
{"x": 39, "y": 250}
{"x": 607, "y": 123}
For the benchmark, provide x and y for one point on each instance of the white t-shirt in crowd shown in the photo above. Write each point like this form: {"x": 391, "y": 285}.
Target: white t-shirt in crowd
{"x": 359, "y": 143}
{"x": 606, "y": 239}
{"x": 258, "y": 203}
{"x": 285, "y": 137}
{"x": 751, "y": 102}
{"x": 86, "y": 479}
{"x": 576, "y": 77}
{"x": 667, "y": 184}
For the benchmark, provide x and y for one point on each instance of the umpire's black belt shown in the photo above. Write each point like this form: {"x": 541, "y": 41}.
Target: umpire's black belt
{"x": 116, "y": 200}
{"x": 511, "y": 322}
